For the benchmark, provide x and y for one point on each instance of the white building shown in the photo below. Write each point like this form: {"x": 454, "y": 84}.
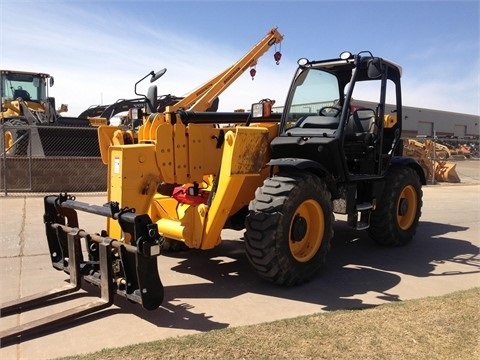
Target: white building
{"x": 424, "y": 122}
{"x": 429, "y": 122}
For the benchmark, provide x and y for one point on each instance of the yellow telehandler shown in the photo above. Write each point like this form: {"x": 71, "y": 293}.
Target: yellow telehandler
{"x": 281, "y": 176}
{"x": 140, "y": 281}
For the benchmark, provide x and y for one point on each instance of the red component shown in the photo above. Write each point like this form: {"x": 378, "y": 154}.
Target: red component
{"x": 182, "y": 196}
{"x": 253, "y": 72}
{"x": 277, "y": 56}
{"x": 354, "y": 108}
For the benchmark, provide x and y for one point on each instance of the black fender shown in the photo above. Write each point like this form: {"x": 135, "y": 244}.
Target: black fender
{"x": 410, "y": 162}
{"x": 308, "y": 165}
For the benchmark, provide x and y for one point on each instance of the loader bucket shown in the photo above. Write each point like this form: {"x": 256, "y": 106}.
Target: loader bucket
{"x": 445, "y": 172}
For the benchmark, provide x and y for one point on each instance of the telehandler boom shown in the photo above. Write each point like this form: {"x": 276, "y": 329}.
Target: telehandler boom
{"x": 202, "y": 99}
{"x": 279, "y": 176}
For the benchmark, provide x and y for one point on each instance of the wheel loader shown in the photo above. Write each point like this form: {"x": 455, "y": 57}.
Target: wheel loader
{"x": 25, "y": 100}
{"x": 31, "y": 126}
{"x": 280, "y": 176}
{"x": 435, "y": 168}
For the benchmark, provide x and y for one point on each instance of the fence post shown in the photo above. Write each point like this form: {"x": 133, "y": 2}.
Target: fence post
{"x": 4, "y": 157}
{"x": 434, "y": 141}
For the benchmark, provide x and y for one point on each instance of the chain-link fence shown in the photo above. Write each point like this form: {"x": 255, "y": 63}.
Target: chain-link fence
{"x": 67, "y": 159}
{"x": 50, "y": 158}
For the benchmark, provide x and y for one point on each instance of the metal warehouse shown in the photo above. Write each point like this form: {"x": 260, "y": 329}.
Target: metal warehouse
{"x": 423, "y": 122}
{"x": 429, "y": 122}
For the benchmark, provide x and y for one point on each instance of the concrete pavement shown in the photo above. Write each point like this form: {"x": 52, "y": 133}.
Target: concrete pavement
{"x": 206, "y": 290}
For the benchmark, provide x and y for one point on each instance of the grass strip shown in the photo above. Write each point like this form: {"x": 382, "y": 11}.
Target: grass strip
{"x": 445, "y": 327}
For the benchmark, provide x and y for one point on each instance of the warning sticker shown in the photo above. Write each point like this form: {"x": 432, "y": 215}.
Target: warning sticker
{"x": 116, "y": 165}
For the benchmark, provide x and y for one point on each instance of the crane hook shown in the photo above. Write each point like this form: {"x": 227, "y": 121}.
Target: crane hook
{"x": 277, "y": 56}
{"x": 253, "y": 72}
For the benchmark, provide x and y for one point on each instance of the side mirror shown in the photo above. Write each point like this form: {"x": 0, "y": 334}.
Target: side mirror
{"x": 51, "y": 81}
{"x": 158, "y": 75}
{"x": 154, "y": 77}
{"x": 375, "y": 68}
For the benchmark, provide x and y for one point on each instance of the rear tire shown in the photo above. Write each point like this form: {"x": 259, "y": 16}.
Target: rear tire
{"x": 289, "y": 228}
{"x": 395, "y": 220}
{"x": 10, "y": 144}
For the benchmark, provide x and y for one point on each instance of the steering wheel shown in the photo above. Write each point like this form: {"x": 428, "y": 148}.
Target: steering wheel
{"x": 329, "y": 111}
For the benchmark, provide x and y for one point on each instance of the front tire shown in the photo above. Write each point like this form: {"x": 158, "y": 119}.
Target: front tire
{"x": 395, "y": 220}
{"x": 10, "y": 141}
{"x": 289, "y": 228}
{"x": 173, "y": 246}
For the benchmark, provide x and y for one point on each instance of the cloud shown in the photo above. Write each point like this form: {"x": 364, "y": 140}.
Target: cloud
{"x": 446, "y": 82}
{"x": 97, "y": 58}
{"x": 439, "y": 95}
{"x": 96, "y": 61}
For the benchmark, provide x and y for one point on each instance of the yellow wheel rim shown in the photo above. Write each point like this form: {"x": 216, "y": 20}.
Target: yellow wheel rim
{"x": 407, "y": 207}
{"x": 306, "y": 231}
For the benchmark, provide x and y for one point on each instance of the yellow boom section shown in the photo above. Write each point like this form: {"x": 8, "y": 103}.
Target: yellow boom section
{"x": 201, "y": 98}
{"x": 198, "y": 100}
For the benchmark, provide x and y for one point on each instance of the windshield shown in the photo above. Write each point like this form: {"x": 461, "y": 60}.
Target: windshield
{"x": 314, "y": 90}
{"x": 29, "y": 87}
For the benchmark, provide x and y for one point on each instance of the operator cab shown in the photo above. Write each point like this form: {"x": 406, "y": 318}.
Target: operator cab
{"x": 25, "y": 85}
{"x": 335, "y": 116}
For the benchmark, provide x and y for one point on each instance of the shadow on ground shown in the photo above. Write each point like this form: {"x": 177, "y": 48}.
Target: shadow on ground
{"x": 355, "y": 266}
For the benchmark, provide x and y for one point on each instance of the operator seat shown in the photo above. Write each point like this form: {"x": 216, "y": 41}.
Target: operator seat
{"x": 20, "y": 93}
{"x": 361, "y": 126}
{"x": 360, "y": 136}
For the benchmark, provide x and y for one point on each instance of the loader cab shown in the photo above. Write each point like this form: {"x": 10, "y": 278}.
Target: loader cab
{"x": 335, "y": 119}
{"x": 25, "y": 85}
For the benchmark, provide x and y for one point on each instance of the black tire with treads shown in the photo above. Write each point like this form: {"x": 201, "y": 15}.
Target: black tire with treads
{"x": 395, "y": 219}
{"x": 289, "y": 228}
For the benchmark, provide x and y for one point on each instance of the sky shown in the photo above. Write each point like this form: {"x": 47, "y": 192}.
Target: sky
{"x": 97, "y": 50}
